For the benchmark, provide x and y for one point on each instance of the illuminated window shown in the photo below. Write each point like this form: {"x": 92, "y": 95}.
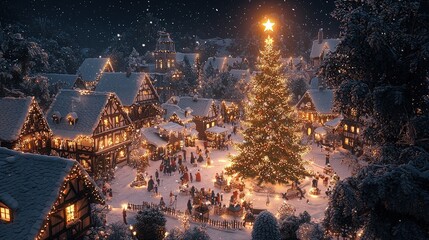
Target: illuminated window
{"x": 352, "y": 128}
{"x": 117, "y": 119}
{"x": 213, "y": 124}
{"x": 5, "y": 214}
{"x": 353, "y": 112}
{"x": 346, "y": 127}
{"x": 309, "y": 131}
{"x": 346, "y": 141}
{"x": 208, "y": 125}
{"x": 357, "y": 130}
{"x": 70, "y": 213}
{"x": 106, "y": 122}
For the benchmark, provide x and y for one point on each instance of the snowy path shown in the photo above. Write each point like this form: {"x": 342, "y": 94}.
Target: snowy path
{"x": 123, "y": 193}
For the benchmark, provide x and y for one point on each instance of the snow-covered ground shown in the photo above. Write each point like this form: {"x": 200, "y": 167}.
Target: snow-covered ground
{"x": 315, "y": 205}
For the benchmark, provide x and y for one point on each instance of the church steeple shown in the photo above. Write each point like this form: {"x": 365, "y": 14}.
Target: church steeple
{"x": 165, "y": 53}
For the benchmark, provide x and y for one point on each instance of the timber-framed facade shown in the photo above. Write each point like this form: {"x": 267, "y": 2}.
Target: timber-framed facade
{"x": 95, "y": 131}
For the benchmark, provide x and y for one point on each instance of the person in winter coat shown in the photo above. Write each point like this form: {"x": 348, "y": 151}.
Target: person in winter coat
{"x": 189, "y": 206}
{"x": 150, "y": 184}
{"x": 200, "y": 158}
{"x": 198, "y": 176}
{"x": 191, "y": 178}
{"x": 192, "y": 158}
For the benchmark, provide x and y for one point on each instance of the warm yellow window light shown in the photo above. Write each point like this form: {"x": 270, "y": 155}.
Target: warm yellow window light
{"x": 70, "y": 213}
{"x": 5, "y": 214}
{"x": 345, "y": 127}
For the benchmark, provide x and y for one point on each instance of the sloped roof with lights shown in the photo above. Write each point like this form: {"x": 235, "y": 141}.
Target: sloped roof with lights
{"x": 125, "y": 87}
{"x": 171, "y": 109}
{"x": 323, "y": 48}
{"x": 322, "y": 99}
{"x": 30, "y": 184}
{"x": 88, "y": 106}
{"x": 15, "y": 111}
{"x": 92, "y": 68}
{"x": 199, "y": 106}
{"x": 222, "y": 63}
{"x": 192, "y": 58}
{"x": 66, "y": 81}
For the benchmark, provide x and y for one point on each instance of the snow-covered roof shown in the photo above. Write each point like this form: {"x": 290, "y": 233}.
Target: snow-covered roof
{"x": 67, "y": 81}
{"x": 152, "y": 137}
{"x": 192, "y": 57}
{"x": 217, "y": 130}
{"x": 334, "y": 123}
{"x": 171, "y": 109}
{"x": 31, "y": 183}
{"x": 87, "y": 105}
{"x": 126, "y": 88}
{"x": 326, "y": 46}
{"x": 222, "y": 63}
{"x": 241, "y": 74}
{"x": 91, "y": 68}
{"x": 199, "y": 106}
{"x": 171, "y": 126}
{"x": 14, "y": 113}
{"x": 323, "y": 99}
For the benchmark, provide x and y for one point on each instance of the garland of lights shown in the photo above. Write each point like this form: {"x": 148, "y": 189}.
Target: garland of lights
{"x": 76, "y": 172}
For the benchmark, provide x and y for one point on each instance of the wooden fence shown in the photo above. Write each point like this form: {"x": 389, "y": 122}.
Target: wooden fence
{"x": 220, "y": 224}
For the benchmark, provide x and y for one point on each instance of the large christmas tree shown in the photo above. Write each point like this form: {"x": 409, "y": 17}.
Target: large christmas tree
{"x": 270, "y": 152}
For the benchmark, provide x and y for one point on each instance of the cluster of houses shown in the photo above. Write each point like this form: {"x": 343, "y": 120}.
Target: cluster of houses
{"x": 90, "y": 125}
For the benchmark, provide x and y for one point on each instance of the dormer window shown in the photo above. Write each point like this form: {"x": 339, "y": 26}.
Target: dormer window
{"x": 72, "y": 118}
{"x": 5, "y": 214}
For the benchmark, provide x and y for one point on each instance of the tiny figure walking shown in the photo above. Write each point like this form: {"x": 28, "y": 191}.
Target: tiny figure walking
{"x": 124, "y": 215}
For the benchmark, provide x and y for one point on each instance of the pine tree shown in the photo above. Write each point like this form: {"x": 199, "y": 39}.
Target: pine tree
{"x": 270, "y": 151}
{"x": 266, "y": 227}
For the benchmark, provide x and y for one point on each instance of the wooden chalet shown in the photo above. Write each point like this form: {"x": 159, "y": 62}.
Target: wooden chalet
{"x": 315, "y": 108}
{"x": 91, "y": 127}
{"x": 91, "y": 70}
{"x": 137, "y": 94}
{"x": 173, "y": 113}
{"x": 23, "y": 126}
{"x": 229, "y": 111}
{"x": 43, "y": 197}
{"x": 349, "y": 129}
{"x": 204, "y": 112}
{"x": 321, "y": 48}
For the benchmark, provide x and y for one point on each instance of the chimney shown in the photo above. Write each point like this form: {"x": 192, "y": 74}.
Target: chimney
{"x": 320, "y": 35}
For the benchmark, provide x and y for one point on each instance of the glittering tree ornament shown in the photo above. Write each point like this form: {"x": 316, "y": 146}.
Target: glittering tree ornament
{"x": 270, "y": 152}
{"x": 285, "y": 210}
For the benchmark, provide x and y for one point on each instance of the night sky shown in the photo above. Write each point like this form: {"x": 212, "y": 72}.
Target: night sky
{"x": 101, "y": 19}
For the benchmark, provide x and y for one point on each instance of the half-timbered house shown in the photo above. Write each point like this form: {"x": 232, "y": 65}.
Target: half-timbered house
{"x": 137, "y": 94}
{"x": 350, "y": 128}
{"x": 204, "y": 112}
{"x": 43, "y": 197}
{"x": 23, "y": 126}
{"x": 315, "y": 108}
{"x": 91, "y": 70}
{"x": 92, "y": 128}
{"x": 229, "y": 111}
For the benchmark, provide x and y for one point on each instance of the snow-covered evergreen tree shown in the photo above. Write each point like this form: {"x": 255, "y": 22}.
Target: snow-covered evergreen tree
{"x": 383, "y": 201}
{"x": 265, "y": 227}
{"x": 150, "y": 224}
{"x": 188, "y": 234}
{"x": 134, "y": 60}
{"x": 380, "y": 68}
{"x": 291, "y": 224}
{"x": 310, "y": 231}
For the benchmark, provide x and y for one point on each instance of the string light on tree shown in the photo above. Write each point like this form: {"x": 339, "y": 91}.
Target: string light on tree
{"x": 271, "y": 151}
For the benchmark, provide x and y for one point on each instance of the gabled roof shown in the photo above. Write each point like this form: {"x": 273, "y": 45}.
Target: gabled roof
{"x": 323, "y": 100}
{"x": 152, "y": 137}
{"x": 222, "y": 63}
{"x": 171, "y": 109}
{"x": 91, "y": 68}
{"x": 30, "y": 185}
{"x": 126, "y": 88}
{"x": 66, "y": 81}
{"x": 199, "y": 106}
{"x": 14, "y": 113}
{"x": 241, "y": 74}
{"x": 192, "y": 58}
{"x": 88, "y": 106}
{"x": 326, "y": 46}
{"x": 172, "y": 126}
